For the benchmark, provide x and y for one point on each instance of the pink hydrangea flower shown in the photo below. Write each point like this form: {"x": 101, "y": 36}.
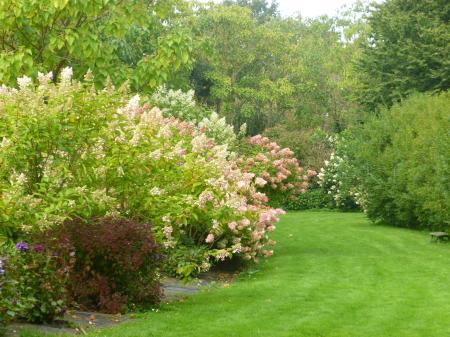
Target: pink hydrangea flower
{"x": 209, "y": 238}
{"x": 241, "y": 184}
{"x": 267, "y": 253}
{"x": 245, "y": 222}
{"x": 232, "y": 225}
{"x": 167, "y": 230}
{"x": 260, "y": 182}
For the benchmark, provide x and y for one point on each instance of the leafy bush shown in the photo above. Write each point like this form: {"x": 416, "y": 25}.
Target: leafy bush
{"x": 32, "y": 285}
{"x": 71, "y": 151}
{"x": 314, "y": 198}
{"x": 403, "y": 163}
{"x": 113, "y": 263}
{"x": 187, "y": 260}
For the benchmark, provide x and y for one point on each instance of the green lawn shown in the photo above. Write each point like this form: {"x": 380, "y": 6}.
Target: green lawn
{"x": 332, "y": 275}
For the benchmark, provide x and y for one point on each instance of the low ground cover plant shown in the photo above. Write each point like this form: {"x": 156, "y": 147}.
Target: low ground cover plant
{"x": 32, "y": 284}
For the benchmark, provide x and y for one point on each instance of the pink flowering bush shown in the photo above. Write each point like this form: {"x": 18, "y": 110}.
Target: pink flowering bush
{"x": 276, "y": 171}
{"x": 192, "y": 191}
{"x": 71, "y": 151}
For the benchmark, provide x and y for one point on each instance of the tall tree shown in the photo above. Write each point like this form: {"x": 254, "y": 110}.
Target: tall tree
{"x": 49, "y": 35}
{"x": 408, "y": 50}
{"x": 261, "y": 9}
{"x": 258, "y": 72}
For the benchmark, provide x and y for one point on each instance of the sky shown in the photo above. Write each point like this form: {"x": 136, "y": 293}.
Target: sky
{"x": 311, "y": 8}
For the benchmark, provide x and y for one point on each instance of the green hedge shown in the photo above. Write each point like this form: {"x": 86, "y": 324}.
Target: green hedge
{"x": 403, "y": 161}
{"x": 314, "y": 198}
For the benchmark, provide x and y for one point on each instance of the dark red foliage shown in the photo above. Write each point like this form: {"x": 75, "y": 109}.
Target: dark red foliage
{"x": 114, "y": 263}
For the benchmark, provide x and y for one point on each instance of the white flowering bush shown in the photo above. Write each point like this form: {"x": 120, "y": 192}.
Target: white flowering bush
{"x": 179, "y": 104}
{"x": 50, "y": 138}
{"x": 182, "y": 105}
{"x": 223, "y": 133}
{"x": 71, "y": 151}
{"x": 337, "y": 177}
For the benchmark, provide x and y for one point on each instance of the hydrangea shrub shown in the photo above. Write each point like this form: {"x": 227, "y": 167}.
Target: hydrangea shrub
{"x": 182, "y": 105}
{"x": 277, "y": 172}
{"x": 179, "y": 104}
{"x": 71, "y": 151}
{"x": 337, "y": 177}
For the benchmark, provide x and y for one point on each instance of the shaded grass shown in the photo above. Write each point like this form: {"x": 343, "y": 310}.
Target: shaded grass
{"x": 332, "y": 275}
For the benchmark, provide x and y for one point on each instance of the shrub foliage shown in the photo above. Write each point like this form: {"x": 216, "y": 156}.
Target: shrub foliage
{"x": 32, "y": 284}
{"x": 113, "y": 264}
{"x": 403, "y": 162}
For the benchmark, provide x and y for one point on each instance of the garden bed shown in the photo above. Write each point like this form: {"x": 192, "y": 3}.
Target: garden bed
{"x": 75, "y": 322}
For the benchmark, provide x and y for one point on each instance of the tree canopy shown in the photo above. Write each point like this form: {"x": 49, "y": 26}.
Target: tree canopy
{"x": 89, "y": 34}
{"x": 407, "y": 50}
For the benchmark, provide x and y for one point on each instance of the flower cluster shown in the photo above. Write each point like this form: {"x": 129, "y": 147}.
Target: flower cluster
{"x": 329, "y": 178}
{"x": 22, "y": 246}
{"x": 177, "y": 103}
{"x": 277, "y": 172}
{"x": 218, "y": 129}
{"x": 360, "y": 198}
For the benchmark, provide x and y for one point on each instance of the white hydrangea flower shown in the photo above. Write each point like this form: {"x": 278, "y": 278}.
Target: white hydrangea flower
{"x": 120, "y": 171}
{"x": 45, "y": 78}
{"x": 4, "y": 89}
{"x": 133, "y": 103}
{"x": 156, "y": 191}
{"x": 21, "y": 179}
{"x": 5, "y": 142}
{"x": 66, "y": 74}
{"x": 24, "y": 82}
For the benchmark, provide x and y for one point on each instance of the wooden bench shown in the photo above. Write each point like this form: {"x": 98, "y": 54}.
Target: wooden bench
{"x": 439, "y": 236}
